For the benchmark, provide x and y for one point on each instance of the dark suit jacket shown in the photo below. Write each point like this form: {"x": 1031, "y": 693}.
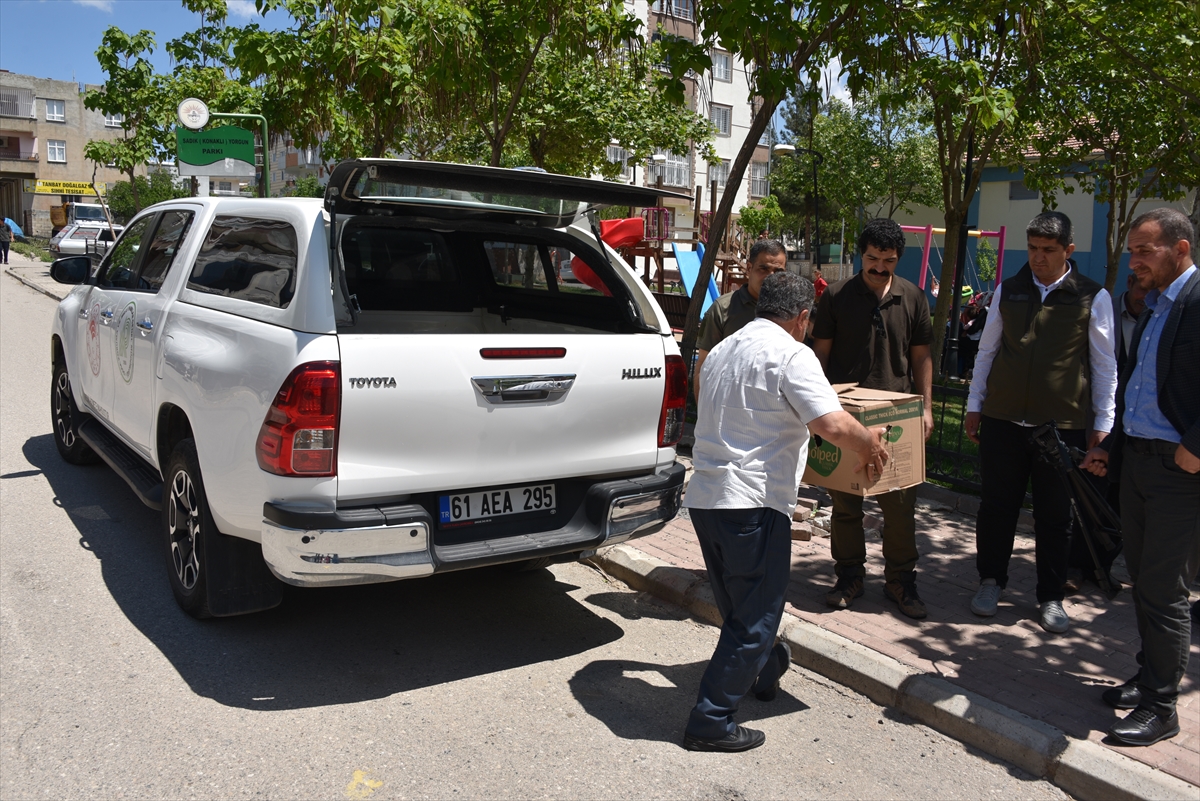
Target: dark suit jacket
{"x": 1178, "y": 372}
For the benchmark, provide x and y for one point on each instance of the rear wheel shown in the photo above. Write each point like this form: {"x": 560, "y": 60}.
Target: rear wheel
{"x": 66, "y": 418}
{"x": 187, "y": 523}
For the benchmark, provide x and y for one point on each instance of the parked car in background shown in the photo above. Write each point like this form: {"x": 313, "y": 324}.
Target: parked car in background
{"x": 393, "y": 383}
{"x": 79, "y": 239}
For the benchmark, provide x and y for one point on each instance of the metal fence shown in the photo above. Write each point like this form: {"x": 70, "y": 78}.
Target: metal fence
{"x": 951, "y": 458}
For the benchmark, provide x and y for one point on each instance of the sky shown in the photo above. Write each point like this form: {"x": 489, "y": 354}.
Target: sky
{"x": 58, "y": 38}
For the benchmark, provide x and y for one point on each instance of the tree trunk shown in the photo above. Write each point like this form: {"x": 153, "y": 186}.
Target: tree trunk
{"x": 137, "y": 201}
{"x": 717, "y": 226}
{"x": 953, "y": 222}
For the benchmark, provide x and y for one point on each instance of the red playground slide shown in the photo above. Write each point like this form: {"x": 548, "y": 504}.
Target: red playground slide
{"x": 615, "y": 234}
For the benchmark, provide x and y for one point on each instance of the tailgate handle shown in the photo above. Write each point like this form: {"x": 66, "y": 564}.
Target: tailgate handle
{"x": 522, "y": 388}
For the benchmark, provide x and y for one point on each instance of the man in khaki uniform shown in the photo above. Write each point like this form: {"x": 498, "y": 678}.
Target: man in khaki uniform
{"x": 730, "y": 312}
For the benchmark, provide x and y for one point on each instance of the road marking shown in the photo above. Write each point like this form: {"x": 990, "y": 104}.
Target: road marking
{"x": 361, "y": 786}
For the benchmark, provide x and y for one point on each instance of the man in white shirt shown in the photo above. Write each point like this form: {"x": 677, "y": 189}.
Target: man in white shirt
{"x": 1047, "y": 354}
{"x": 760, "y": 388}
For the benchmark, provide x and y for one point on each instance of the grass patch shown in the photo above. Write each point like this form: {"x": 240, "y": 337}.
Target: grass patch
{"x": 31, "y": 251}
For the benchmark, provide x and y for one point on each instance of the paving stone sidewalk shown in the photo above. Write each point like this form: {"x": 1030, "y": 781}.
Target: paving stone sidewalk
{"x": 1008, "y": 658}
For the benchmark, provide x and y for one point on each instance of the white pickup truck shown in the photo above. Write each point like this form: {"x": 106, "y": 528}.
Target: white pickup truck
{"x": 438, "y": 367}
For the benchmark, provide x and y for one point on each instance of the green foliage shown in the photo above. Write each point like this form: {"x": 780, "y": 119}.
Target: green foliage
{"x": 32, "y": 251}
{"x": 761, "y": 215}
{"x": 876, "y": 160}
{"x": 985, "y": 260}
{"x": 1116, "y": 119}
{"x": 159, "y": 186}
{"x": 307, "y": 186}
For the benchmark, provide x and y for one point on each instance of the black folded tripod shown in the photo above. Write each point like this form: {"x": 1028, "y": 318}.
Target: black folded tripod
{"x": 1095, "y": 520}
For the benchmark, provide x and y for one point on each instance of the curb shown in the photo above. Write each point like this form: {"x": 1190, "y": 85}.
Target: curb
{"x": 1082, "y": 768}
{"x": 32, "y": 285}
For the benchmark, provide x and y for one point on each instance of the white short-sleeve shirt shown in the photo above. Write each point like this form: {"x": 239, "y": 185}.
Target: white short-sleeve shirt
{"x": 759, "y": 390}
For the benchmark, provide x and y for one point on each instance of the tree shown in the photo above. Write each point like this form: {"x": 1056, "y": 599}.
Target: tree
{"x": 873, "y": 154}
{"x": 307, "y": 186}
{"x": 1114, "y": 129}
{"x": 985, "y": 260}
{"x": 761, "y": 215}
{"x": 975, "y": 63}
{"x": 134, "y": 93}
{"x": 780, "y": 43}
{"x": 159, "y": 186}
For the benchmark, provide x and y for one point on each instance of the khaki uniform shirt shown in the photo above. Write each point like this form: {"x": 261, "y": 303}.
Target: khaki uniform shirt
{"x": 728, "y": 314}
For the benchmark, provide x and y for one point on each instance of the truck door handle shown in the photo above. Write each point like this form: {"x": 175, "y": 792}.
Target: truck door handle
{"x": 522, "y": 388}
{"x": 146, "y": 324}
{"x": 84, "y": 313}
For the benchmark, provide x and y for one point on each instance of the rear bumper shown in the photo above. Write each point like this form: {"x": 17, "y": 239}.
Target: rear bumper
{"x": 359, "y": 545}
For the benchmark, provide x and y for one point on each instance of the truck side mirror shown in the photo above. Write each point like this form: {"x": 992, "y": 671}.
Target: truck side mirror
{"x": 71, "y": 270}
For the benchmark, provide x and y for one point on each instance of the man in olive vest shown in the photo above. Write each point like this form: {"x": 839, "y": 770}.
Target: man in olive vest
{"x": 1046, "y": 355}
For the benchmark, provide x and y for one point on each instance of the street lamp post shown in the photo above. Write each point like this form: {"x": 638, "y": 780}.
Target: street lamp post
{"x": 816, "y": 243}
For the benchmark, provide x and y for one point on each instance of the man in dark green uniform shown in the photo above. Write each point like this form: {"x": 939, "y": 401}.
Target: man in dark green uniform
{"x": 732, "y": 311}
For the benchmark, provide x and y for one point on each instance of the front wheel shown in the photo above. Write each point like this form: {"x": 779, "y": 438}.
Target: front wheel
{"x": 187, "y": 523}
{"x": 66, "y": 418}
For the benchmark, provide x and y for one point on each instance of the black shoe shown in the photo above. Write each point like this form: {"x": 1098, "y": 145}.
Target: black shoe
{"x": 845, "y": 591}
{"x": 767, "y": 684}
{"x": 1144, "y": 727}
{"x": 740, "y": 739}
{"x": 1126, "y": 696}
{"x": 904, "y": 593}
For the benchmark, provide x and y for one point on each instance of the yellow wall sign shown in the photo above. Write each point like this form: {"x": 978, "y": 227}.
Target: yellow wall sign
{"x": 39, "y": 187}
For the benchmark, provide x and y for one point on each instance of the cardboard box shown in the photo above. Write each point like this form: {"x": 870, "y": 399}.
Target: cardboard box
{"x": 832, "y": 468}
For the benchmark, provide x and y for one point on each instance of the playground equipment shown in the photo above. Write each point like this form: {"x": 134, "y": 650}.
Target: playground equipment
{"x": 929, "y": 231}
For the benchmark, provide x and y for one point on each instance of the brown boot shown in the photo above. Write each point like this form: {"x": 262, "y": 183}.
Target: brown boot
{"x": 904, "y": 593}
{"x": 845, "y": 591}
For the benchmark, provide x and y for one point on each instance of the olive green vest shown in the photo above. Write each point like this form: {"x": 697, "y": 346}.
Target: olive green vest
{"x": 1040, "y": 372}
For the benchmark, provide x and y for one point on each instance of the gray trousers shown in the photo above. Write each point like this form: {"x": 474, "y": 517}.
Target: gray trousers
{"x": 1160, "y": 519}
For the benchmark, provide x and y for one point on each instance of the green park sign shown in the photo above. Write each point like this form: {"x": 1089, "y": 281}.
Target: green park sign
{"x": 227, "y": 150}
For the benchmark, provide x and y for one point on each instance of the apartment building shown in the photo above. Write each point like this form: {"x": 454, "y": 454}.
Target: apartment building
{"x": 722, "y": 96}
{"x": 289, "y": 163}
{"x": 44, "y": 128}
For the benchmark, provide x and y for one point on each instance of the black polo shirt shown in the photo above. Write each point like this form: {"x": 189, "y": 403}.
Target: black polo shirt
{"x": 870, "y": 347}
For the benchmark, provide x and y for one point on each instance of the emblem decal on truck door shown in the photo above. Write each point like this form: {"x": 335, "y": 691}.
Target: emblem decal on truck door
{"x": 641, "y": 372}
{"x": 125, "y": 342}
{"x": 93, "y": 339}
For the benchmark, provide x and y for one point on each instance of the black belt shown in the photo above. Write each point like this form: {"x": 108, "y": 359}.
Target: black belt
{"x": 1151, "y": 447}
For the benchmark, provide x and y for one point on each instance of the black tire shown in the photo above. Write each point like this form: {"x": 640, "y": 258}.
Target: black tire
{"x": 187, "y": 523}
{"x": 66, "y": 417}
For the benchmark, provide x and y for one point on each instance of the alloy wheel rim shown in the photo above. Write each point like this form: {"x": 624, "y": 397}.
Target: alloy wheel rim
{"x": 62, "y": 410}
{"x": 183, "y": 526}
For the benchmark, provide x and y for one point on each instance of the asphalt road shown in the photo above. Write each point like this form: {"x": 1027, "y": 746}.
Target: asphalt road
{"x": 555, "y": 684}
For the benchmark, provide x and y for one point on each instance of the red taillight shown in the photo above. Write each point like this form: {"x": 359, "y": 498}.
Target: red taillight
{"x": 522, "y": 353}
{"x": 299, "y": 435}
{"x": 670, "y": 423}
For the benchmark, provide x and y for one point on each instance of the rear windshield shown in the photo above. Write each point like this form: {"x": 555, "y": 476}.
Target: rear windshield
{"x": 535, "y": 276}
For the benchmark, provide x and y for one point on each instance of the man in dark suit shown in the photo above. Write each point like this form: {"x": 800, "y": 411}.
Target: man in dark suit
{"x": 1155, "y": 453}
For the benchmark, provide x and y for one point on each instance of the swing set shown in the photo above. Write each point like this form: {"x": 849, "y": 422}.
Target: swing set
{"x": 929, "y": 231}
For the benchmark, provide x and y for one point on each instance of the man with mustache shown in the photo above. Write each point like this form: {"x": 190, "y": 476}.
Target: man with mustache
{"x": 873, "y": 329}
{"x": 1047, "y": 354}
{"x": 1157, "y": 440}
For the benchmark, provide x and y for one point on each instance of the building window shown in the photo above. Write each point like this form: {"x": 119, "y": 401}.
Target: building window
{"x": 719, "y": 173}
{"x": 16, "y": 102}
{"x": 619, "y": 155}
{"x": 1018, "y": 191}
{"x": 759, "y": 185}
{"x": 675, "y": 171}
{"x": 722, "y": 66}
{"x": 681, "y": 9}
{"x": 56, "y": 111}
{"x": 722, "y": 119}
{"x": 56, "y": 150}
{"x": 113, "y": 120}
